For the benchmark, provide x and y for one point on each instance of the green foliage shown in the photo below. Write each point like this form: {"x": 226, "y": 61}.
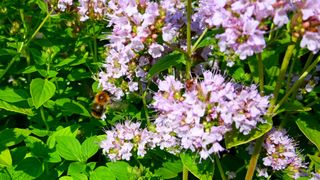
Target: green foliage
{"x": 235, "y": 138}
{"x": 49, "y": 61}
{"x": 199, "y": 170}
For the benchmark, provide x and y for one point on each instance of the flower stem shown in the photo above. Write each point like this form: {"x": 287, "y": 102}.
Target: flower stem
{"x": 194, "y": 47}
{"x": 254, "y": 158}
{"x": 44, "y": 118}
{"x": 309, "y": 60}
{"x": 95, "y": 51}
{"x": 258, "y": 145}
{"x": 221, "y": 171}
{"x": 145, "y": 107}
{"x": 297, "y": 83}
{"x": 282, "y": 74}
{"x": 39, "y": 27}
{"x": 189, "y": 52}
{"x": 185, "y": 173}
{"x": 261, "y": 74}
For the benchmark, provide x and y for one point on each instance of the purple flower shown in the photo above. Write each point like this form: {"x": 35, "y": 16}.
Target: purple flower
{"x": 155, "y": 50}
{"x": 198, "y": 114}
{"x": 124, "y": 139}
{"x": 62, "y": 4}
{"x": 281, "y": 153}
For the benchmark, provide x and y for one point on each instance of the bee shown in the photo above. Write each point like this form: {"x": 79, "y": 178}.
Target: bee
{"x": 99, "y": 105}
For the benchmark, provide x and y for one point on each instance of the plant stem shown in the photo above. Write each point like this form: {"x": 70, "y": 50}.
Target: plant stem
{"x": 261, "y": 74}
{"x": 258, "y": 145}
{"x": 185, "y": 173}
{"x": 309, "y": 60}
{"x": 145, "y": 107}
{"x": 221, "y": 171}
{"x": 271, "y": 30}
{"x": 194, "y": 47}
{"x": 282, "y": 74}
{"x": 189, "y": 52}
{"x": 9, "y": 65}
{"x": 44, "y": 118}
{"x": 297, "y": 83}
{"x": 254, "y": 158}
{"x": 39, "y": 27}
{"x": 95, "y": 51}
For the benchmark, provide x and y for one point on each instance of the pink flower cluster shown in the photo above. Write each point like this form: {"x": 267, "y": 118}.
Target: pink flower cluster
{"x": 242, "y": 21}
{"x": 124, "y": 139}
{"x": 308, "y": 26}
{"x": 133, "y": 43}
{"x": 281, "y": 153}
{"x": 63, "y": 4}
{"x": 92, "y": 9}
{"x": 196, "y": 115}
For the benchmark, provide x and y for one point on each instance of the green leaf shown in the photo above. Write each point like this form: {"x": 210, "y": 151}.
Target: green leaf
{"x": 315, "y": 159}
{"x": 41, "y": 150}
{"x": 235, "y": 138}
{"x": 24, "y": 171}
{"x": 79, "y": 176}
{"x": 11, "y": 137}
{"x": 309, "y": 126}
{"x": 78, "y": 74}
{"x": 102, "y": 172}
{"x": 165, "y": 62}
{"x": 42, "y": 5}
{"x": 5, "y": 158}
{"x": 76, "y": 168}
{"x": 4, "y": 175}
{"x": 120, "y": 170}
{"x": 70, "y": 107}
{"x": 89, "y": 147}
{"x": 67, "y": 131}
{"x": 169, "y": 169}
{"x": 18, "y": 154}
{"x": 64, "y": 62}
{"x": 41, "y": 91}
{"x": 69, "y": 148}
{"x": 294, "y": 106}
{"x": 13, "y": 108}
{"x": 193, "y": 165}
{"x": 36, "y": 56}
{"x": 13, "y": 95}
{"x": 66, "y": 178}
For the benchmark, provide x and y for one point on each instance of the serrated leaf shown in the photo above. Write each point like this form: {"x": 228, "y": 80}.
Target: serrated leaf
{"x": 165, "y": 62}
{"x": 13, "y": 108}
{"x": 309, "y": 126}
{"x": 69, "y": 148}
{"x": 235, "y": 138}
{"x": 41, "y": 91}
{"x": 102, "y": 172}
{"x": 192, "y": 165}
{"x": 90, "y": 147}
{"x": 11, "y": 137}
{"x": 5, "y": 158}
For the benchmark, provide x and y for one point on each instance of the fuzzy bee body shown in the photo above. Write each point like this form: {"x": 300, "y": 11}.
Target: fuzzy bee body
{"x": 100, "y": 102}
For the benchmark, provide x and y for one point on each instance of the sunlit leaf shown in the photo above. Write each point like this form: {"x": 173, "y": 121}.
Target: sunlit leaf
{"x": 41, "y": 91}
